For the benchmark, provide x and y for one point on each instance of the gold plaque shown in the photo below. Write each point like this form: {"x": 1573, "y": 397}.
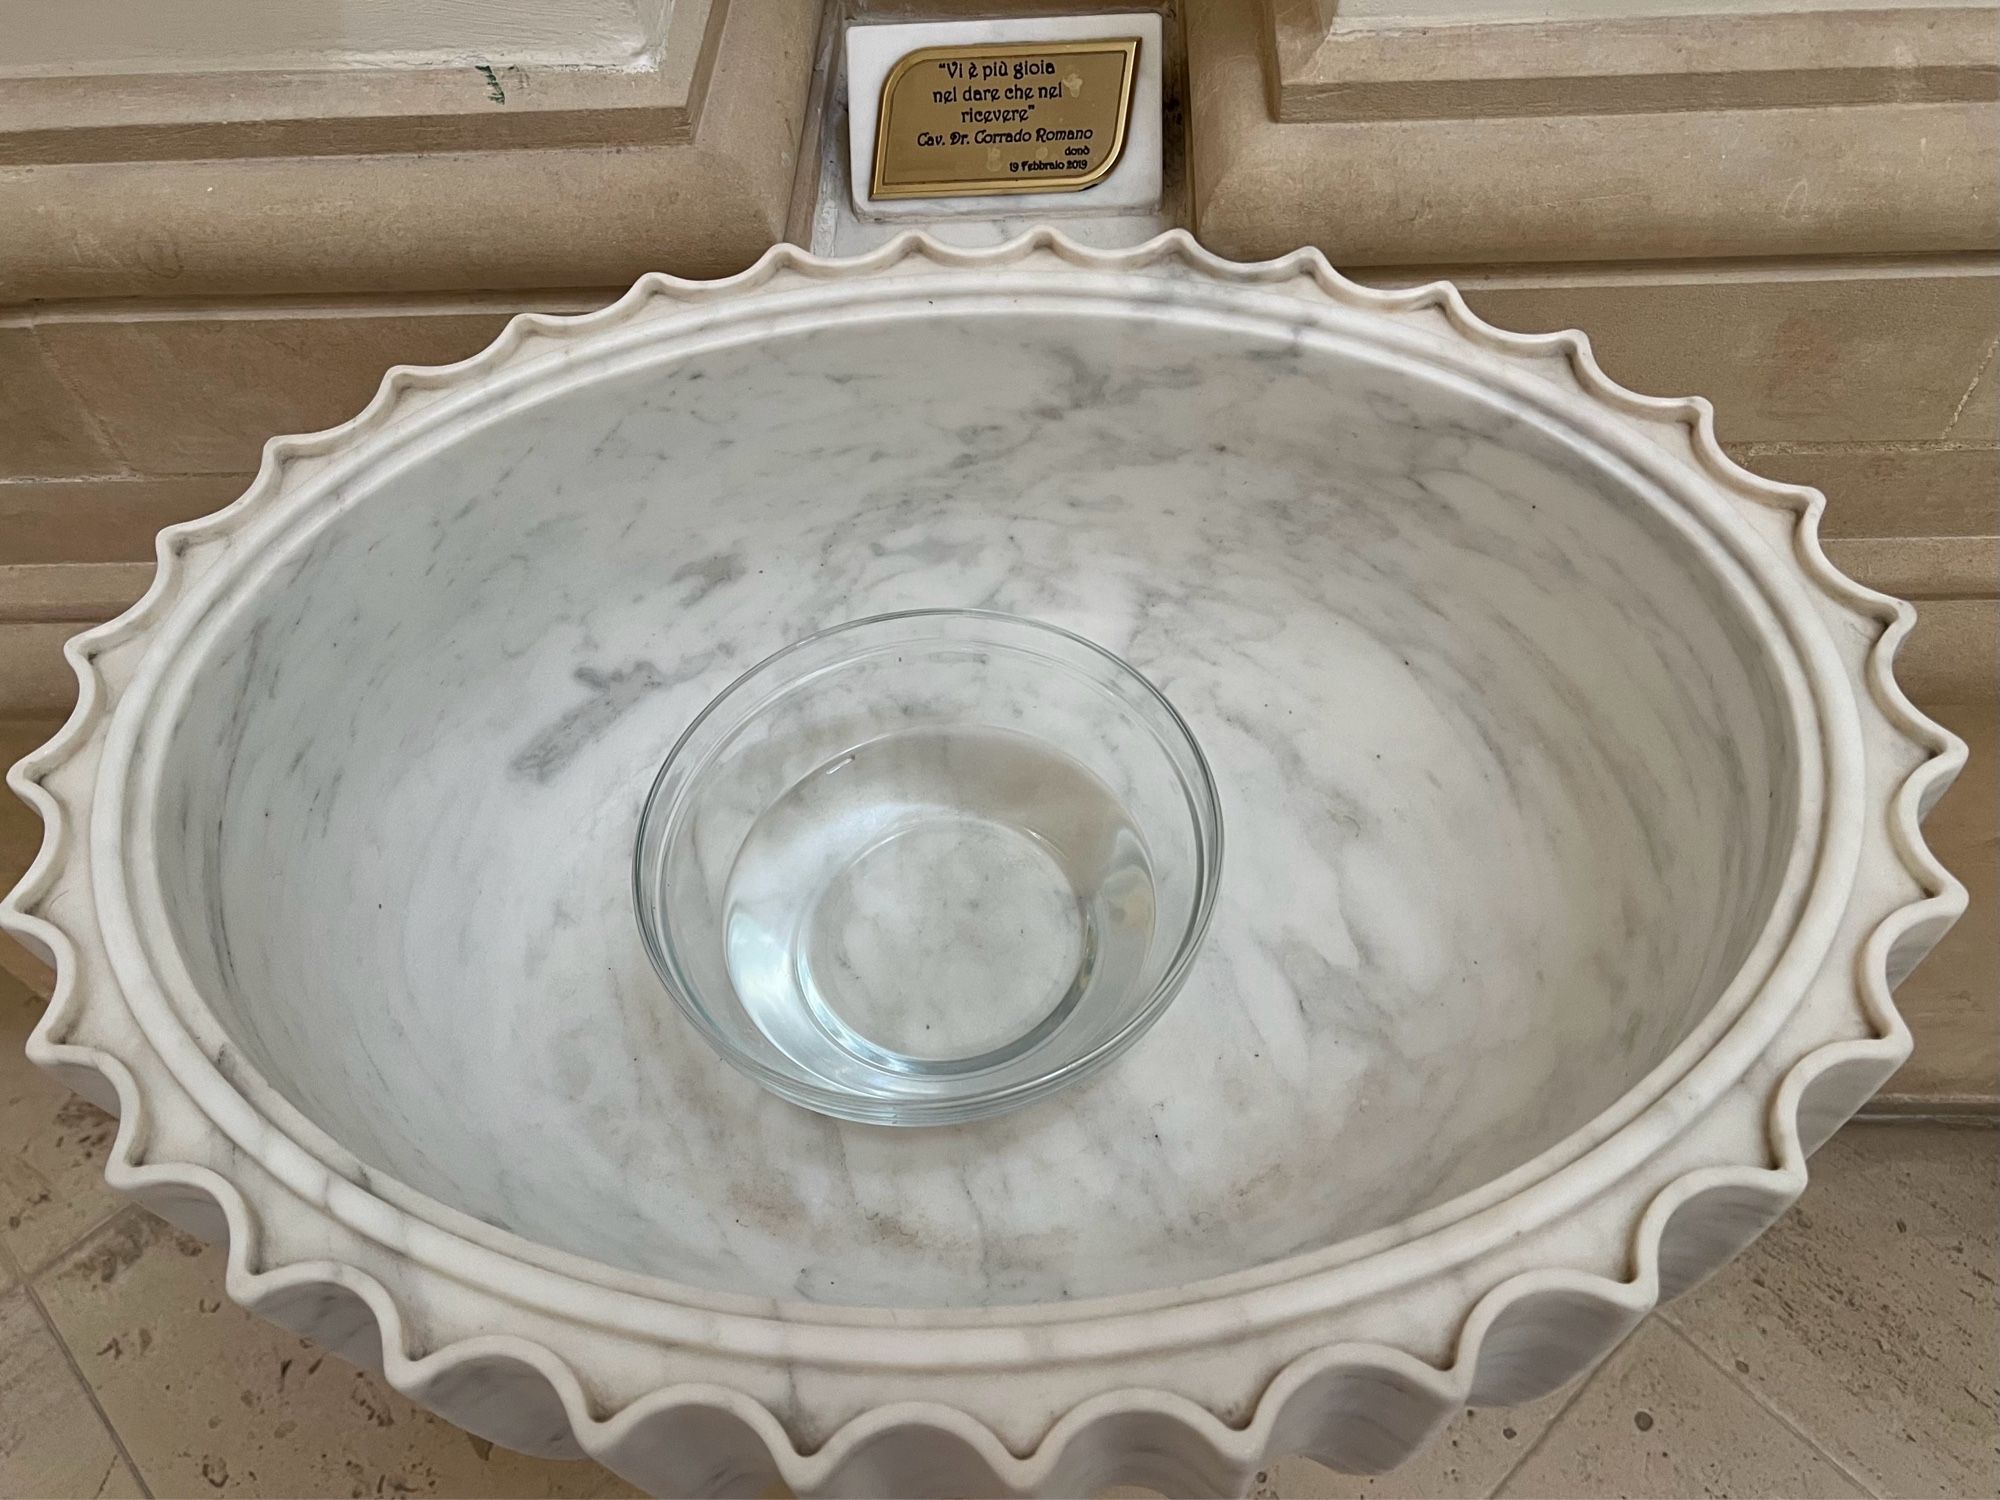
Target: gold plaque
{"x": 1007, "y": 117}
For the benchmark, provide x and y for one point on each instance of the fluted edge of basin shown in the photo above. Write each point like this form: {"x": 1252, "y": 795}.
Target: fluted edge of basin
{"x": 1173, "y": 1418}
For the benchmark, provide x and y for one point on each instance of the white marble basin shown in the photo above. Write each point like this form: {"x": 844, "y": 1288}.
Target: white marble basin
{"x": 1573, "y": 847}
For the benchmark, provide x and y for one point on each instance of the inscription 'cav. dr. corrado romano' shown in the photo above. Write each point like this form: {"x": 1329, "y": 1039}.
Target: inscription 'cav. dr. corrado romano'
{"x": 1004, "y": 118}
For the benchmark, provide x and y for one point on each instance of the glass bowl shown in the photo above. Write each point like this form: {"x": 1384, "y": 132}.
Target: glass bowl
{"x": 926, "y": 867}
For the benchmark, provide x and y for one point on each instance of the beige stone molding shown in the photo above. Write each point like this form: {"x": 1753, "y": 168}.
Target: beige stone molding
{"x": 1922, "y": 567}
{"x": 36, "y": 593}
{"x": 472, "y": 106}
{"x": 1810, "y": 180}
{"x": 420, "y": 180}
{"x": 1808, "y": 350}
{"x": 1337, "y": 61}
{"x": 1950, "y": 1002}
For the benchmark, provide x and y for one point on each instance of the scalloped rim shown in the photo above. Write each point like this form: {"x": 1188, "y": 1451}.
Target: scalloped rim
{"x": 1722, "y": 1045}
{"x": 1074, "y": 1449}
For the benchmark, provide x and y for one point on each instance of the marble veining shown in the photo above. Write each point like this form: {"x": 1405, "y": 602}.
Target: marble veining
{"x": 1505, "y": 793}
{"x": 1544, "y": 743}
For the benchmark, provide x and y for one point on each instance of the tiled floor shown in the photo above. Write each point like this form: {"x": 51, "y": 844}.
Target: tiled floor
{"x": 1853, "y": 1350}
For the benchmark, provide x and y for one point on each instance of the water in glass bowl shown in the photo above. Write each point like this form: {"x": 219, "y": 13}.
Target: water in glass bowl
{"x": 936, "y": 900}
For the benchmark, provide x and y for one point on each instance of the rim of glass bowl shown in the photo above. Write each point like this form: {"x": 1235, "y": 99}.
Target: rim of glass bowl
{"x": 709, "y": 733}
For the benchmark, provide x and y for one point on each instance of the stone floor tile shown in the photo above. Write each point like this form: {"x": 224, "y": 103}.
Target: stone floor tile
{"x": 52, "y": 1146}
{"x": 1660, "y": 1420}
{"x": 1868, "y": 1314}
{"x": 52, "y": 1441}
{"x": 1472, "y": 1455}
{"x": 212, "y": 1401}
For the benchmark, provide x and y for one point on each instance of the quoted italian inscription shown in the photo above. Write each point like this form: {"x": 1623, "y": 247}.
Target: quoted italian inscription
{"x": 1005, "y": 118}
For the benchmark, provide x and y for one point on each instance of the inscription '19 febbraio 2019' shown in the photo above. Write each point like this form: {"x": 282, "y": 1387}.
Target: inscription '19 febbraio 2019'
{"x": 1005, "y": 118}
